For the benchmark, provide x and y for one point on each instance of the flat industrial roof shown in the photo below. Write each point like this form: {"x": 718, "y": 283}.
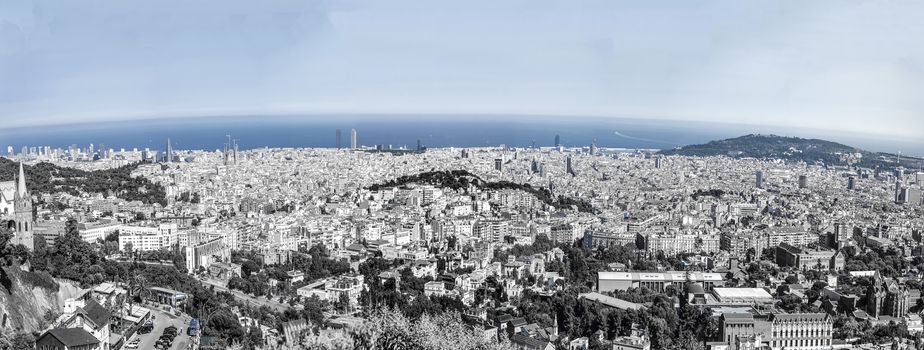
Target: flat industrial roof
{"x": 611, "y": 301}
{"x": 749, "y": 293}
{"x": 672, "y": 276}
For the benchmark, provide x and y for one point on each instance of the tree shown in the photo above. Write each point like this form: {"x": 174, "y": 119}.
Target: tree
{"x": 390, "y": 329}
{"x": 16, "y": 341}
{"x": 343, "y": 303}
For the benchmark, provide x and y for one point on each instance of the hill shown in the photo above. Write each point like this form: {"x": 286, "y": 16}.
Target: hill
{"x": 50, "y": 178}
{"x": 796, "y": 149}
{"x": 461, "y": 179}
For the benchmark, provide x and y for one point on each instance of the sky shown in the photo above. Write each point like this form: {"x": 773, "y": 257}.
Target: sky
{"x": 846, "y": 65}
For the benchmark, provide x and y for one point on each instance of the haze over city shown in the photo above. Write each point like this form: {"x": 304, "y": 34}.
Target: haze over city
{"x": 853, "y": 66}
{"x": 476, "y": 175}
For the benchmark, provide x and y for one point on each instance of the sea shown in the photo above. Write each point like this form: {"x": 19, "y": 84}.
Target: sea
{"x": 397, "y": 131}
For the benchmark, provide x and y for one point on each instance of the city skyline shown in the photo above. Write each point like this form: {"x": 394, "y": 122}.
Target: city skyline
{"x": 461, "y": 131}
{"x": 478, "y": 175}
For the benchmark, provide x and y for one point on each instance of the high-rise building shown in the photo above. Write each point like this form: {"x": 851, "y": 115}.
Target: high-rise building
{"x": 419, "y": 145}
{"x": 498, "y": 164}
{"x": 168, "y": 154}
{"x": 568, "y": 166}
{"x": 593, "y": 148}
{"x": 759, "y": 179}
{"x": 337, "y": 138}
{"x": 235, "y": 151}
{"x": 353, "y": 138}
{"x": 913, "y": 196}
{"x": 803, "y": 181}
{"x": 899, "y": 192}
{"x": 851, "y": 183}
{"x": 557, "y": 140}
{"x": 658, "y": 163}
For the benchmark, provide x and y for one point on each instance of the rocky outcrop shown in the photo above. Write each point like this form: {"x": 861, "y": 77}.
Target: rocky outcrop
{"x": 26, "y": 297}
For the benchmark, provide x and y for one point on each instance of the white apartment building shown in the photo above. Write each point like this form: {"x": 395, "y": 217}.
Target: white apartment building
{"x": 148, "y": 238}
{"x": 97, "y": 231}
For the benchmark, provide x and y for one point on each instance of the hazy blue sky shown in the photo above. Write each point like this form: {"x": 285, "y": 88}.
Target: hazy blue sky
{"x": 846, "y": 65}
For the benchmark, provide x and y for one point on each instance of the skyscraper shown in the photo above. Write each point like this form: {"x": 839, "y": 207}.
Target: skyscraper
{"x": 658, "y": 163}
{"x": 593, "y": 148}
{"x": 851, "y": 183}
{"x": 353, "y": 138}
{"x": 498, "y": 164}
{"x": 568, "y": 167}
{"x": 557, "y": 140}
{"x": 759, "y": 179}
{"x": 337, "y": 142}
{"x": 419, "y": 145}
{"x": 235, "y": 151}
{"x": 168, "y": 156}
{"x": 899, "y": 192}
{"x": 803, "y": 181}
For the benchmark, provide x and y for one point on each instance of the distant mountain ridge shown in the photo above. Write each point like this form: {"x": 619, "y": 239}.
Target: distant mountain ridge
{"x": 797, "y": 149}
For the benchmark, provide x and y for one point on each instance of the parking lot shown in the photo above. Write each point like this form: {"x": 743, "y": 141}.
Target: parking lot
{"x": 162, "y": 320}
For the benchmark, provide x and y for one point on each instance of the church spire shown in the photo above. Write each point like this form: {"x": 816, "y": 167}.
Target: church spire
{"x": 21, "y": 182}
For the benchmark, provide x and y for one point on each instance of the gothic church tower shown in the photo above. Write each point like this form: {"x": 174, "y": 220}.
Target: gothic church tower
{"x": 22, "y": 215}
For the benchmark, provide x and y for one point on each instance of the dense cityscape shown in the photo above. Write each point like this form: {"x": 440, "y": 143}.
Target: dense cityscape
{"x": 381, "y": 247}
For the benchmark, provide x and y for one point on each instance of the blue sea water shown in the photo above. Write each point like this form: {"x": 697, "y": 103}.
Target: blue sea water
{"x": 405, "y": 130}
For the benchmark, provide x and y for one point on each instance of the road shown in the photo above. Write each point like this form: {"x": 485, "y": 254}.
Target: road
{"x": 241, "y": 296}
{"x": 161, "y": 321}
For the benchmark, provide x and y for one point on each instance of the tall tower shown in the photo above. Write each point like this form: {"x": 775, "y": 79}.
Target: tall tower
{"x": 569, "y": 167}
{"x": 235, "y": 151}
{"x": 337, "y": 142}
{"x": 22, "y": 214}
{"x": 557, "y": 140}
{"x": 168, "y": 155}
{"x": 353, "y": 138}
{"x": 759, "y": 181}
